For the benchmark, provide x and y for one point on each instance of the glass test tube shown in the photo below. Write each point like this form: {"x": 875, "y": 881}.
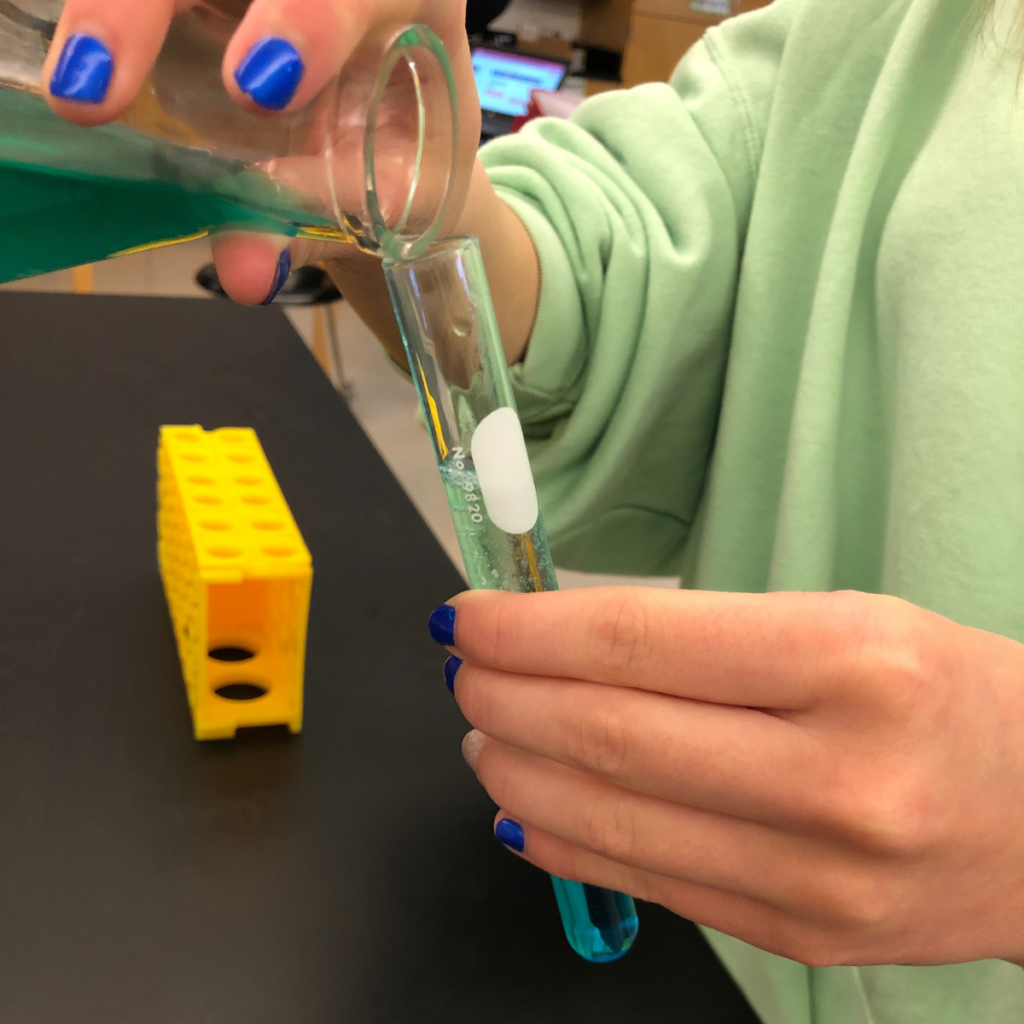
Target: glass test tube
{"x": 455, "y": 355}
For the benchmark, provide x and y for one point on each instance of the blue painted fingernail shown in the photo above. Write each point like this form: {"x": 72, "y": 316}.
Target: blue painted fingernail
{"x": 270, "y": 73}
{"x": 442, "y": 625}
{"x": 284, "y": 268}
{"x": 451, "y": 668}
{"x": 510, "y": 833}
{"x": 83, "y": 71}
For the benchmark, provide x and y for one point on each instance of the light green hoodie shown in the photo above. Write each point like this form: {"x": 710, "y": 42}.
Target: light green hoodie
{"x": 780, "y": 346}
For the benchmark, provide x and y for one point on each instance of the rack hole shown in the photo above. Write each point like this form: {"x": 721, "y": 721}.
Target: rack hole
{"x": 279, "y": 551}
{"x": 238, "y": 457}
{"x": 187, "y": 435}
{"x": 248, "y": 481}
{"x": 202, "y": 481}
{"x": 193, "y": 457}
{"x": 268, "y": 524}
{"x": 208, "y": 499}
{"x": 241, "y": 691}
{"x": 215, "y": 524}
{"x": 256, "y": 499}
{"x": 229, "y": 652}
{"x": 225, "y": 552}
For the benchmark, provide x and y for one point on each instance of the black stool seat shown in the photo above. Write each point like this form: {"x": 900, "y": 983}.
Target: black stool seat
{"x": 306, "y": 286}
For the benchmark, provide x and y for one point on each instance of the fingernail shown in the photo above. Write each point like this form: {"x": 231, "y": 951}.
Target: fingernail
{"x": 284, "y": 268}
{"x": 451, "y": 667}
{"x": 510, "y": 833}
{"x": 472, "y": 744}
{"x": 442, "y": 625}
{"x": 270, "y": 73}
{"x": 83, "y": 71}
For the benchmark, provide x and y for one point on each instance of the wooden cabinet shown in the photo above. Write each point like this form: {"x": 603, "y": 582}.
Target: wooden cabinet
{"x": 605, "y": 23}
{"x": 661, "y": 31}
{"x": 655, "y": 46}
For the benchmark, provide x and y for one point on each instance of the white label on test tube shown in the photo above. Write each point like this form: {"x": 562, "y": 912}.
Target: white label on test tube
{"x": 503, "y": 468}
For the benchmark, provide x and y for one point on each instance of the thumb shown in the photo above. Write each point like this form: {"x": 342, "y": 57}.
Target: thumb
{"x": 253, "y": 268}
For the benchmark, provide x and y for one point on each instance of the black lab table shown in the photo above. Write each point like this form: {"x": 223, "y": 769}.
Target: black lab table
{"x": 345, "y": 876}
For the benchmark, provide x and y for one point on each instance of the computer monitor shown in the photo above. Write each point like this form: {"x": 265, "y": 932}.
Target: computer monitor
{"x": 505, "y": 81}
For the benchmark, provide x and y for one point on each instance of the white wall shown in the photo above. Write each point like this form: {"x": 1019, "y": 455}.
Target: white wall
{"x": 532, "y": 18}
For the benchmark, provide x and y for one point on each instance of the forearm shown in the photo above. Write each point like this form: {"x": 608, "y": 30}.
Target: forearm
{"x": 512, "y": 272}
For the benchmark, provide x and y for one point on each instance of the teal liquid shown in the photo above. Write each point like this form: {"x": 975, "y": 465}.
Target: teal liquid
{"x": 599, "y": 924}
{"x": 49, "y": 221}
{"x": 72, "y": 195}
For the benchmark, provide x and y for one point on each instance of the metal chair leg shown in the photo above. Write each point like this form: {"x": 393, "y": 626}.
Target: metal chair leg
{"x": 321, "y": 350}
{"x": 341, "y": 382}
{"x": 82, "y": 282}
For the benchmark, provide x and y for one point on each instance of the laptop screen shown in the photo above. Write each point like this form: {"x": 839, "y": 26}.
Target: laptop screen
{"x": 505, "y": 80}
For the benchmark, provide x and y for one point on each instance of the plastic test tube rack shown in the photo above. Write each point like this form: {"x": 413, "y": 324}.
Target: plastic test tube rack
{"x": 237, "y": 575}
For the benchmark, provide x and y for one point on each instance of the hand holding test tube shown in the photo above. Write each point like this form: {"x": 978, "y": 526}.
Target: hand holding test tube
{"x": 456, "y": 358}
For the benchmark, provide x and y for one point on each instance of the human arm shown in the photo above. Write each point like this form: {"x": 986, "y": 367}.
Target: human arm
{"x": 836, "y": 778}
{"x": 636, "y": 213}
{"x": 637, "y": 208}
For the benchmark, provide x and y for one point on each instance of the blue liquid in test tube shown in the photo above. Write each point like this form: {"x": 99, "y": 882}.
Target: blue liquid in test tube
{"x": 600, "y": 924}
{"x": 456, "y": 359}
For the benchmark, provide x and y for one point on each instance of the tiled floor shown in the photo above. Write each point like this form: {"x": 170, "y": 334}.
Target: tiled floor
{"x": 382, "y": 401}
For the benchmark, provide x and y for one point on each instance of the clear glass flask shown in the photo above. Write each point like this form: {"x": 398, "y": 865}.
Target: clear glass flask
{"x": 455, "y": 355}
{"x": 369, "y": 161}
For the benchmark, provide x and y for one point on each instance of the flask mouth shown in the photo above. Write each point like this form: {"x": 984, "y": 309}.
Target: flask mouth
{"x": 392, "y": 151}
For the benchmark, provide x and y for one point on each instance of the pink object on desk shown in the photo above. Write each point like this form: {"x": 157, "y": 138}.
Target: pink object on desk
{"x": 548, "y": 104}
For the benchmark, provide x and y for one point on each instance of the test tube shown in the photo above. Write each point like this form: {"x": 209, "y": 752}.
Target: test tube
{"x": 444, "y": 309}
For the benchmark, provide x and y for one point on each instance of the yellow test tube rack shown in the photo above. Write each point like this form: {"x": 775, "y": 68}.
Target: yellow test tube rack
{"x": 237, "y": 575}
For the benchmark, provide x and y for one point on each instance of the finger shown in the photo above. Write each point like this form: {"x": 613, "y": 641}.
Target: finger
{"x": 101, "y": 54}
{"x": 285, "y": 51}
{"x": 780, "y": 651}
{"x": 754, "y": 922}
{"x": 252, "y": 268}
{"x": 797, "y": 875}
{"x": 736, "y": 761}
